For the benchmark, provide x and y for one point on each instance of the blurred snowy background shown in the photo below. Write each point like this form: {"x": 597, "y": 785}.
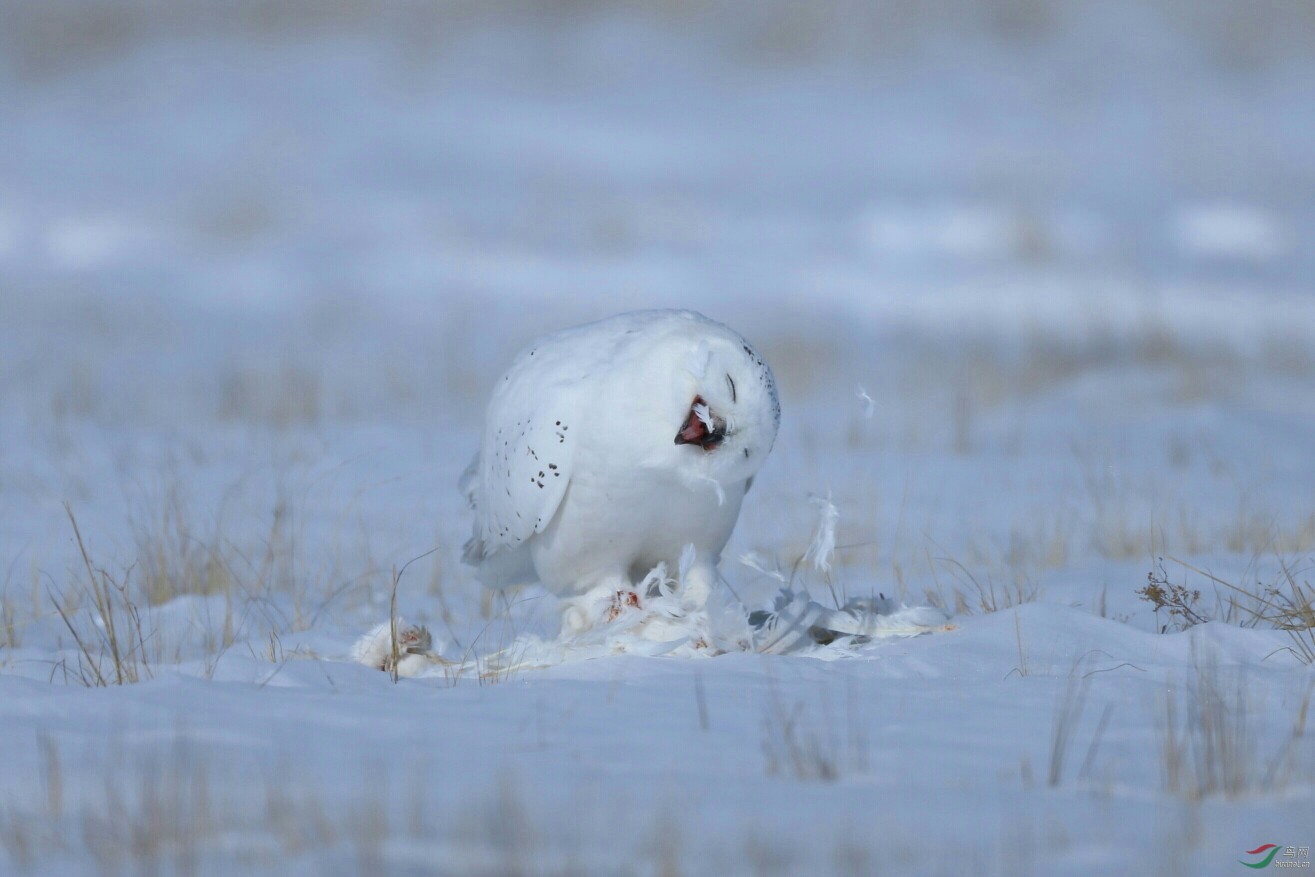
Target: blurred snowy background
{"x": 1072, "y": 239}
{"x": 271, "y": 214}
{"x": 1035, "y": 276}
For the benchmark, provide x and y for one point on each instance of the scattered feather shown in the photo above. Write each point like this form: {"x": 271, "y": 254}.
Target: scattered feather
{"x": 796, "y": 624}
{"x": 660, "y": 617}
{"x": 703, "y": 413}
{"x": 823, "y": 547}
{"x": 687, "y": 555}
{"x": 869, "y": 406}
{"x": 755, "y": 563}
{"x": 698, "y": 477}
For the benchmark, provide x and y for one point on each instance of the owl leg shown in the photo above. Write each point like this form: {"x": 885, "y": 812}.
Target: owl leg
{"x": 697, "y": 585}
{"x": 622, "y": 602}
{"x": 604, "y": 602}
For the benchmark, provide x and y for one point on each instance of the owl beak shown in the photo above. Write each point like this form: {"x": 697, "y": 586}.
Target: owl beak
{"x": 696, "y": 429}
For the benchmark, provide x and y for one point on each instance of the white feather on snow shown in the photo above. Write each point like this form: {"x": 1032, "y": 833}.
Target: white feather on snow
{"x": 668, "y": 622}
{"x": 664, "y": 619}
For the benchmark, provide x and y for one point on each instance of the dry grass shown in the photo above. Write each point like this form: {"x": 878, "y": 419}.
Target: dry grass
{"x": 260, "y": 588}
{"x": 985, "y": 593}
{"x": 258, "y": 557}
{"x": 176, "y": 559}
{"x": 110, "y": 618}
{"x": 283, "y": 397}
{"x": 810, "y": 742}
{"x": 1207, "y": 746}
{"x": 1209, "y": 749}
{"x": 124, "y": 624}
{"x": 949, "y": 396}
{"x": 1125, "y": 523}
{"x": 1068, "y": 715}
{"x": 114, "y": 650}
{"x": 1287, "y": 603}
{"x": 9, "y": 636}
{"x": 167, "y": 810}
{"x": 177, "y": 810}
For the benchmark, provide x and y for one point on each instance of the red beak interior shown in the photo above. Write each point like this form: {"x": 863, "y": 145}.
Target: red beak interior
{"x": 695, "y": 432}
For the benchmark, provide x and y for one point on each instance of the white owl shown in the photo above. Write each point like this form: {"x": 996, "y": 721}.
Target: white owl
{"x": 610, "y": 447}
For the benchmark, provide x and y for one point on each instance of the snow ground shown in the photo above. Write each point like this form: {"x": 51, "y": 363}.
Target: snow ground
{"x": 256, "y": 277}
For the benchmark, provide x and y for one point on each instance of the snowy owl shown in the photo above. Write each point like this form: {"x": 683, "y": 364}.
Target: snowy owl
{"x": 611, "y": 447}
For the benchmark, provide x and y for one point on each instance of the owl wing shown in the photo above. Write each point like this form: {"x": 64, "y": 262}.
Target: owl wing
{"x": 518, "y": 479}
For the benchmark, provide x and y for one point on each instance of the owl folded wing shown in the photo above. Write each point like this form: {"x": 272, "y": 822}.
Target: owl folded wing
{"x": 518, "y": 479}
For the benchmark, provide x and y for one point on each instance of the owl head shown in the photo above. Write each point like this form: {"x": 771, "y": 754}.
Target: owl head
{"x": 727, "y": 412}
